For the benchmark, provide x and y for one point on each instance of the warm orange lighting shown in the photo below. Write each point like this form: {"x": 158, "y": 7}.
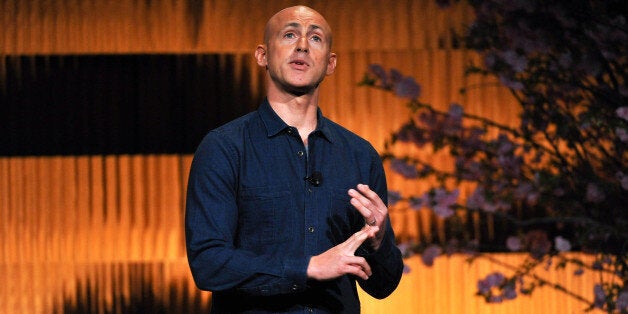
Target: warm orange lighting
{"x": 105, "y": 233}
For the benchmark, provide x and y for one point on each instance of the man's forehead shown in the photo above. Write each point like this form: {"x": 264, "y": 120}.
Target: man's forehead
{"x": 298, "y": 24}
{"x": 298, "y": 17}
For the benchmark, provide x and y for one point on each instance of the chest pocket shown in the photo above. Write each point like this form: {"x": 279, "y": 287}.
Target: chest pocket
{"x": 264, "y": 217}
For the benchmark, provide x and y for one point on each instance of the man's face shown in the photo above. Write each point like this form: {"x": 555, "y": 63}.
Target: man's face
{"x": 297, "y": 51}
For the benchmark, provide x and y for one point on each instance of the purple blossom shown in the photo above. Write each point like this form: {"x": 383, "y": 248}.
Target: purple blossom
{"x": 410, "y": 133}
{"x": 456, "y": 111}
{"x": 472, "y": 142}
{"x": 525, "y": 191}
{"x": 379, "y": 73}
{"x": 533, "y": 198}
{"x": 430, "y": 254}
{"x": 393, "y": 197}
{"x": 443, "y": 211}
{"x": 416, "y": 203}
{"x": 599, "y": 296}
{"x": 559, "y": 192}
{"x": 509, "y": 292}
{"x": 594, "y": 194}
{"x": 406, "y": 268}
{"x": 505, "y": 145}
{"x": 622, "y": 301}
{"x": 490, "y": 60}
{"x": 470, "y": 169}
{"x": 622, "y": 134}
{"x": 486, "y": 285}
{"x": 623, "y": 90}
{"x": 622, "y": 112}
{"x": 623, "y": 179}
{"x": 516, "y": 61}
{"x": 405, "y": 248}
{"x": 395, "y": 77}
{"x": 407, "y": 87}
{"x": 452, "y": 125}
{"x": 444, "y": 201}
{"x": 476, "y": 199}
{"x": 403, "y": 168}
{"x": 561, "y": 244}
{"x": 510, "y": 83}
{"x": 514, "y": 243}
{"x": 495, "y": 279}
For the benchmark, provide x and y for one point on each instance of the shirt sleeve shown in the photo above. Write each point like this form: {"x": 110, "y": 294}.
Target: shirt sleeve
{"x": 210, "y": 226}
{"x": 386, "y": 263}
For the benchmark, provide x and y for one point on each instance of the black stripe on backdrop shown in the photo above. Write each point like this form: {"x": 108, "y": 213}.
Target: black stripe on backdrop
{"x": 119, "y": 104}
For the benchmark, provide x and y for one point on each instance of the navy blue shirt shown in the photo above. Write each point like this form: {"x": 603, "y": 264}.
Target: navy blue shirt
{"x": 253, "y": 221}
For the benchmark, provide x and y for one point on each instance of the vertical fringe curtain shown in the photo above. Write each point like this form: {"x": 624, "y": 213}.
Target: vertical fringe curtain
{"x": 95, "y": 234}
{"x": 178, "y": 26}
{"x": 101, "y": 233}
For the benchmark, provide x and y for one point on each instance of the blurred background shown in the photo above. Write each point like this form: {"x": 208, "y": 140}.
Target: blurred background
{"x": 102, "y": 104}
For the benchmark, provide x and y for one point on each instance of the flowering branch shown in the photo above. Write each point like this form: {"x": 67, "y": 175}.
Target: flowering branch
{"x": 555, "y": 183}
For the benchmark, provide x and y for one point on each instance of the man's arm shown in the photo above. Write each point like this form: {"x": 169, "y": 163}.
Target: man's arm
{"x": 382, "y": 253}
{"x": 210, "y": 227}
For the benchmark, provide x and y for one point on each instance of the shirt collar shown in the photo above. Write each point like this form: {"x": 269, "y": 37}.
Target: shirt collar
{"x": 274, "y": 125}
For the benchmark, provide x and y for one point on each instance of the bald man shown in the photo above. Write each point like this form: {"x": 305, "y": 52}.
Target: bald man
{"x": 286, "y": 210}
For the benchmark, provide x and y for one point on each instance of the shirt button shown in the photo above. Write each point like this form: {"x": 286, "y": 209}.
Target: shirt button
{"x": 295, "y": 287}
{"x": 309, "y": 310}
{"x": 289, "y": 130}
{"x": 300, "y": 153}
{"x": 310, "y": 229}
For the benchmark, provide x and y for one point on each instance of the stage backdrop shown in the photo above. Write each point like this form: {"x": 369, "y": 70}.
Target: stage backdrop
{"x": 103, "y": 103}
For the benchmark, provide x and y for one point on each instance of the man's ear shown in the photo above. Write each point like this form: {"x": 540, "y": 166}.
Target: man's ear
{"x": 260, "y": 55}
{"x": 331, "y": 63}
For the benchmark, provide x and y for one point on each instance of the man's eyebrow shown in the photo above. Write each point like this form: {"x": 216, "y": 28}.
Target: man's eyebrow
{"x": 297, "y": 25}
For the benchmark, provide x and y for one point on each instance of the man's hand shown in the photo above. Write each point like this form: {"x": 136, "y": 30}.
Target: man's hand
{"x": 373, "y": 209}
{"x": 341, "y": 260}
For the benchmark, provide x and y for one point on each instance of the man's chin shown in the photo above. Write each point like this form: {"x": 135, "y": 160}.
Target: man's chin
{"x": 298, "y": 90}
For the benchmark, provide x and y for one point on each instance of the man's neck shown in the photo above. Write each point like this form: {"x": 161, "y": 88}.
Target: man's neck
{"x": 297, "y": 111}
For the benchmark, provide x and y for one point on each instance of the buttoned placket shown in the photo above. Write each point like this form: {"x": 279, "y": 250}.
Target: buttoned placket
{"x": 309, "y": 190}
{"x": 310, "y": 202}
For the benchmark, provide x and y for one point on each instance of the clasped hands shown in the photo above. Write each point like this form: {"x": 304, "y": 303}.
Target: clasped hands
{"x": 341, "y": 260}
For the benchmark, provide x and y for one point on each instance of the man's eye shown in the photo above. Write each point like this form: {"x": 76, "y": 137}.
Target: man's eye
{"x": 316, "y": 38}
{"x": 289, "y": 35}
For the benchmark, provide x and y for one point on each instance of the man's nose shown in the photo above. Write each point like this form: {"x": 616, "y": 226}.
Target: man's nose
{"x": 302, "y": 45}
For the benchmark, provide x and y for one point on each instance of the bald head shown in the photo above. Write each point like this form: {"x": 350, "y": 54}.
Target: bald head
{"x": 293, "y": 15}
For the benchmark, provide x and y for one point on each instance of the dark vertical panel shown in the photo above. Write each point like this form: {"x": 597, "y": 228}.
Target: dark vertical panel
{"x": 119, "y": 104}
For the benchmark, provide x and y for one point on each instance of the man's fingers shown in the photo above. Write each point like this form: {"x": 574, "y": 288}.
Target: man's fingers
{"x": 354, "y": 241}
{"x": 359, "y": 267}
{"x": 364, "y": 266}
{"x": 369, "y": 204}
{"x": 361, "y": 207}
{"x": 367, "y": 197}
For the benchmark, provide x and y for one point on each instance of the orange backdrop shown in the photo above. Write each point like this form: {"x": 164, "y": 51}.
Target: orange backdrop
{"x": 106, "y": 227}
